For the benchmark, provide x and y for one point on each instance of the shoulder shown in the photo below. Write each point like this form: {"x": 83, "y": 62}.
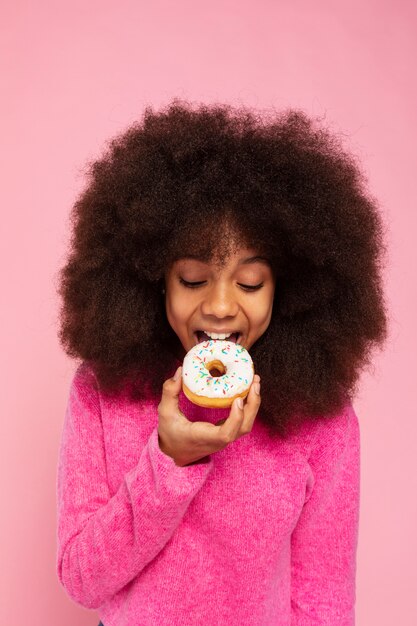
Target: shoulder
{"x": 84, "y": 374}
{"x": 84, "y": 387}
{"x": 337, "y": 434}
{"x": 327, "y": 434}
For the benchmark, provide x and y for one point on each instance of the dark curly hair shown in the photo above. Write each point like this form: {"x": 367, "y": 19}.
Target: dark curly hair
{"x": 166, "y": 188}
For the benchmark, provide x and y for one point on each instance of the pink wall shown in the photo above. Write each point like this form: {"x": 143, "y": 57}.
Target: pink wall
{"x": 76, "y": 73}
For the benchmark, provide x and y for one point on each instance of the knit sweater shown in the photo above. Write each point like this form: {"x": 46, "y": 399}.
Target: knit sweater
{"x": 262, "y": 534}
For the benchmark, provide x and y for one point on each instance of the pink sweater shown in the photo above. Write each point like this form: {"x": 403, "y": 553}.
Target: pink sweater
{"x": 264, "y": 534}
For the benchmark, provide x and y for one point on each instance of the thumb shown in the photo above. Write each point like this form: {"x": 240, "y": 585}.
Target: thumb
{"x": 171, "y": 390}
{"x": 178, "y": 377}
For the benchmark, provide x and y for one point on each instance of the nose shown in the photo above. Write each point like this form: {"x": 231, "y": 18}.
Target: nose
{"x": 220, "y": 302}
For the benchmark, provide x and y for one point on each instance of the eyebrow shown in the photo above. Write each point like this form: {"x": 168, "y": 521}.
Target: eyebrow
{"x": 254, "y": 259}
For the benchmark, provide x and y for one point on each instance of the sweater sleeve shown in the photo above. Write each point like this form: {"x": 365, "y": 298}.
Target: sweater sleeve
{"x": 104, "y": 542}
{"x": 324, "y": 542}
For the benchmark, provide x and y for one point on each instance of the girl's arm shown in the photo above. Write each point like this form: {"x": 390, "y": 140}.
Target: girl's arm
{"x": 324, "y": 542}
{"x": 104, "y": 541}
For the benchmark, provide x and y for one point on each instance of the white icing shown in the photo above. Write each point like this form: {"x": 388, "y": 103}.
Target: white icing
{"x": 235, "y": 358}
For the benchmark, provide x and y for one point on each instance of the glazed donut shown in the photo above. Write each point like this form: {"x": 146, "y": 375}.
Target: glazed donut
{"x": 230, "y": 359}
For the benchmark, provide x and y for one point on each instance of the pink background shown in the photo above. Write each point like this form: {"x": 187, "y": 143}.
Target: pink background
{"x": 74, "y": 74}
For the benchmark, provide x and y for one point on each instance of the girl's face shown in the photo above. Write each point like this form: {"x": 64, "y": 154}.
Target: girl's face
{"x": 234, "y": 299}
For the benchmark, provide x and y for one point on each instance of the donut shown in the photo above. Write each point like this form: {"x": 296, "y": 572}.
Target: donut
{"x": 203, "y": 386}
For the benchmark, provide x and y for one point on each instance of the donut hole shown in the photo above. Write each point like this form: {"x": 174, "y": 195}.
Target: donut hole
{"x": 216, "y": 368}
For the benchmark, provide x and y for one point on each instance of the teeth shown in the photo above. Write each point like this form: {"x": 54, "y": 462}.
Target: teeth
{"x": 217, "y": 335}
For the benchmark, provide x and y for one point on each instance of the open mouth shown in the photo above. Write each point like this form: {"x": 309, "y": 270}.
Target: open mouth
{"x": 202, "y": 336}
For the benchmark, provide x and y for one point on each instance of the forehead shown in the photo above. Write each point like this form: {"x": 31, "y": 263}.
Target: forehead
{"x": 240, "y": 258}
{"x": 219, "y": 243}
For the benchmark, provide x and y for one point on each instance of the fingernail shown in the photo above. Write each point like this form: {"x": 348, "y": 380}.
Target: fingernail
{"x": 257, "y": 388}
{"x": 240, "y": 403}
{"x": 177, "y": 373}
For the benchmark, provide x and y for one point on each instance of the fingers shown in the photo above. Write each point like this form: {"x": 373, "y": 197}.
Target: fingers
{"x": 241, "y": 418}
{"x": 229, "y": 431}
{"x": 239, "y": 422}
{"x": 170, "y": 393}
{"x": 253, "y": 402}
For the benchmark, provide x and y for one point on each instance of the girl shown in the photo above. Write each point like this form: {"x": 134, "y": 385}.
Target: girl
{"x": 217, "y": 220}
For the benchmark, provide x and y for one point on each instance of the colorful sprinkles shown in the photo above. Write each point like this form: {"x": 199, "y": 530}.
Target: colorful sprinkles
{"x": 236, "y": 360}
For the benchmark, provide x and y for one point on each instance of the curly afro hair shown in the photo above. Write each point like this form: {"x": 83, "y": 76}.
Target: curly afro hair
{"x": 165, "y": 188}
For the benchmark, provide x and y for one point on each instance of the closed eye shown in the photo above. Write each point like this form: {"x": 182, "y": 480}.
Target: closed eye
{"x": 251, "y": 287}
{"x": 186, "y": 283}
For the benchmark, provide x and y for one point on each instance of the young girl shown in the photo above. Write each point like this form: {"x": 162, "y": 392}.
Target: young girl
{"x": 209, "y": 220}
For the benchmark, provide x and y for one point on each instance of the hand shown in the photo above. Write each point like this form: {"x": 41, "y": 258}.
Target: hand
{"x": 187, "y": 442}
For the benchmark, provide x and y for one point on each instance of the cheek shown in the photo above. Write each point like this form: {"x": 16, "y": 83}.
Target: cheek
{"x": 261, "y": 314}
{"x": 262, "y": 321}
{"x": 176, "y": 310}
{"x": 171, "y": 312}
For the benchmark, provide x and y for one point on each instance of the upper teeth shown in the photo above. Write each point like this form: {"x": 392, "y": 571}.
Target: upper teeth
{"x": 218, "y": 335}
